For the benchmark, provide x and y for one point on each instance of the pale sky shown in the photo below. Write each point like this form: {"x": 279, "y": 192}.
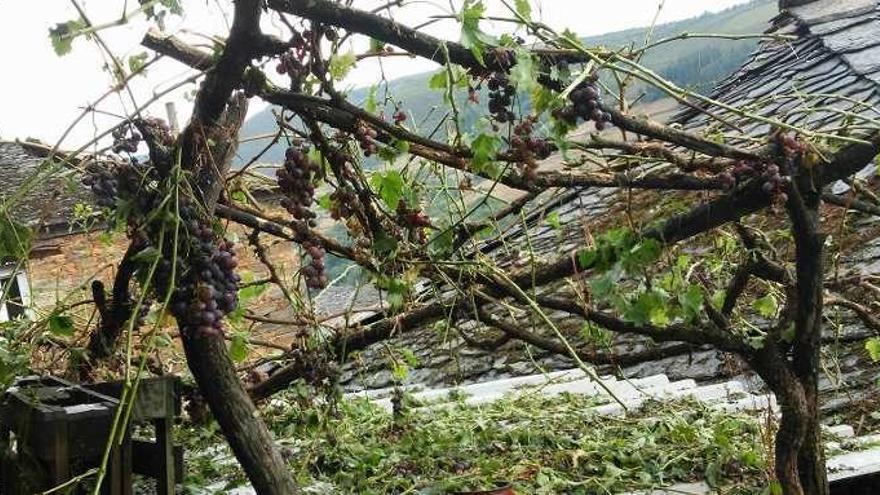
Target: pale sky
{"x": 42, "y": 93}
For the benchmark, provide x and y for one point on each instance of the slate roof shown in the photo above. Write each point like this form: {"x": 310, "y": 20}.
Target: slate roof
{"x": 47, "y": 206}
{"x": 837, "y": 51}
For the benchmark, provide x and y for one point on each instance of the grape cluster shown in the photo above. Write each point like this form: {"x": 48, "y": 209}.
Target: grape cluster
{"x": 103, "y": 182}
{"x": 342, "y": 203}
{"x": 125, "y": 139}
{"x": 314, "y": 273}
{"x": 111, "y": 180}
{"x": 297, "y": 182}
{"x": 365, "y": 136}
{"x": 156, "y": 130}
{"x": 791, "y": 146}
{"x": 399, "y": 117}
{"x": 529, "y": 148}
{"x": 774, "y": 181}
{"x": 415, "y": 220}
{"x": 585, "y": 104}
{"x": 208, "y": 288}
{"x": 295, "y": 62}
{"x": 501, "y": 92}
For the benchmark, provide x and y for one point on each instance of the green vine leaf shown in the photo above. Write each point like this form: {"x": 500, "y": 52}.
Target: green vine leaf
{"x": 553, "y": 220}
{"x": 438, "y": 80}
{"x": 766, "y": 306}
{"x": 641, "y": 255}
{"x": 485, "y": 147}
{"x": 525, "y": 73}
{"x": 136, "y": 62}
{"x": 471, "y": 36}
{"x": 649, "y": 307}
{"x": 524, "y": 9}
{"x": 15, "y": 239}
{"x": 872, "y": 345}
{"x": 238, "y": 347}
{"x": 341, "y": 65}
{"x": 691, "y": 301}
{"x": 370, "y": 104}
{"x": 389, "y": 186}
{"x": 61, "y": 325}
{"x": 63, "y": 34}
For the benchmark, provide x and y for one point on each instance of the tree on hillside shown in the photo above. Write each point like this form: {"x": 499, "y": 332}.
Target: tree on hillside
{"x": 180, "y": 261}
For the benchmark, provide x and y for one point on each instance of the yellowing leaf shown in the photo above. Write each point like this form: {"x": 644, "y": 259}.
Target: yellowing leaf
{"x": 341, "y": 64}
{"x": 872, "y": 345}
{"x": 524, "y": 9}
{"x": 766, "y": 306}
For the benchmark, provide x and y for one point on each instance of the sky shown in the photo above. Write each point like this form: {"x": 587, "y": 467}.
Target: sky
{"x": 41, "y": 93}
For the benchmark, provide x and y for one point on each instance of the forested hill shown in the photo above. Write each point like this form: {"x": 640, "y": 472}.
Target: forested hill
{"x": 694, "y": 63}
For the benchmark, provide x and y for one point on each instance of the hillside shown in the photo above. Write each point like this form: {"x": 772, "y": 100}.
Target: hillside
{"x": 692, "y": 63}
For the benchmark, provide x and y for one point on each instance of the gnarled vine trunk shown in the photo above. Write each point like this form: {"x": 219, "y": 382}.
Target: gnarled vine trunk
{"x": 799, "y": 449}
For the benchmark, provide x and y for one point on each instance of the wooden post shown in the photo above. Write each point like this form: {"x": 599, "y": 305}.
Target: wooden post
{"x": 164, "y": 441}
{"x": 61, "y": 455}
{"x": 126, "y": 463}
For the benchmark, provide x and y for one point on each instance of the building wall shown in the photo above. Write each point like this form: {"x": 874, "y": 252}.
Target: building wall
{"x": 64, "y": 266}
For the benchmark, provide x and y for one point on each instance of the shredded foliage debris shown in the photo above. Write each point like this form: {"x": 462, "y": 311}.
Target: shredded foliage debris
{"x": 538, "y": 444}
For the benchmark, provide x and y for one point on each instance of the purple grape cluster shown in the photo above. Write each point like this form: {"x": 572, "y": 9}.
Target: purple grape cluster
{"x": 414, "y": 220}
{"x": 295, "y": 62}
{"x": 342, "y": 203}
{"x": 791, "y": 146}
{"x": 156, "y": 130}
{"x": 501, "y": 92}
{"x": 125, "y": 139}
{"x": 775, "y": 183}
{"x": 314, "y": 271}
{"x": 208, "y": 288}
{"x": 585, "y": 103}
{"x": 366, "y": 136}
{"x": 297, "y": 183}
{"x": 529, "y": 148}
{"x": 102, "y": 180}
{"x": 110, "y": 181}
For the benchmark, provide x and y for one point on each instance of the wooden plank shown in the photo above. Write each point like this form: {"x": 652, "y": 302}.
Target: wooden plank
{"x": 166, "y": 459}
{"x": 60, "y": 468}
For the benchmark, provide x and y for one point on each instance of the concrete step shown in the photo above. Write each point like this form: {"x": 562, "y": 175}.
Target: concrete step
{"x": 749, "y": 403}
{"x": 623, "y": 389}
{"x": 700, "y": 488}
{"x": 840, "y": 431}
{"x": 853, "y": 464}
{"x": 726, "y": 391}
{"x": 862, "y": 442}
{"x": 582, "y": 386}
{"x": 634, "y": 403}
{"x": 380, "y": 393}
{"x": 500, "y": 386}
